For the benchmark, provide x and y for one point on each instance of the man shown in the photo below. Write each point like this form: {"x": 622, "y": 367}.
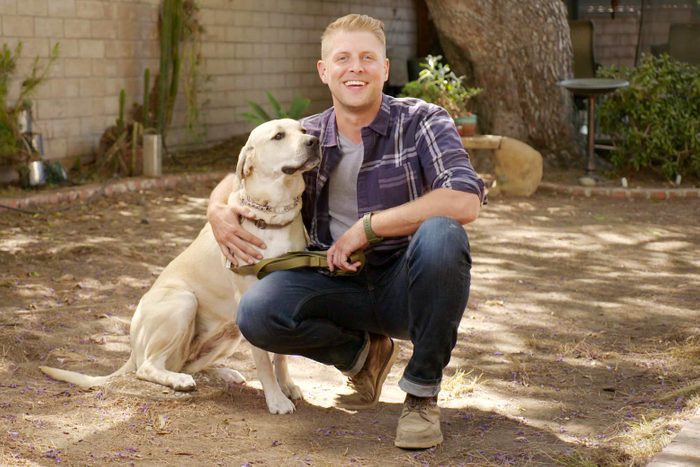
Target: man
{"x": 395, "y": 182}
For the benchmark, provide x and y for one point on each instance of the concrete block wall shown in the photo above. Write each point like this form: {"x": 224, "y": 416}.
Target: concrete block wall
{"x": 616, "y": 39}
{"x": 249, "y": 47}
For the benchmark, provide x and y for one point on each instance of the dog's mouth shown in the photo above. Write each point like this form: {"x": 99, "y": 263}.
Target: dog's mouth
{"x": 311, "y": 162}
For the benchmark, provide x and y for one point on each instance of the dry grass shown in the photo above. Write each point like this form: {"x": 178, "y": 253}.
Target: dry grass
{"x": 461, "y": 383}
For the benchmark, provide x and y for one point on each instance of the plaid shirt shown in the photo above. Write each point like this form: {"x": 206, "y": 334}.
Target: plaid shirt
{"x": 411, "y": 147}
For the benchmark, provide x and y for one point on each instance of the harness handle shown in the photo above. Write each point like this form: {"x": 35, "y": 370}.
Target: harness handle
{"x": 294, "y": 260}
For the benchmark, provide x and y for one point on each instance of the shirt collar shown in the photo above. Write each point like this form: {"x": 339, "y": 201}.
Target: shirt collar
{"x": 380, "y": 124}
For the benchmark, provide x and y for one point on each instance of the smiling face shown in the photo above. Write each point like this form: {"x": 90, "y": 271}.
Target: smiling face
{"x": 354, "y": 67}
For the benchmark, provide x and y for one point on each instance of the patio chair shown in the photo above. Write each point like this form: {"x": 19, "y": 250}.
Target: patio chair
{"x": 682, "y": 45}
{"x": 684, "y": 42}
{"x": 585, "y": 65}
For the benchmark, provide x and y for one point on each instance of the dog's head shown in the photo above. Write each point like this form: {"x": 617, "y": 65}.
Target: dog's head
{"x": 278, "y": 149}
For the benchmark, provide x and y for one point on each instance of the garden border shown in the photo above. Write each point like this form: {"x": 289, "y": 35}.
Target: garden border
{"x": 656, "y": 194}
{"x": 108, "y": 189}
{"x": 125, "y": 185}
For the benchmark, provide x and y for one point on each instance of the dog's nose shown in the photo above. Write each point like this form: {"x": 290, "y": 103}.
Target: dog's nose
{"x": 312, "y": 141}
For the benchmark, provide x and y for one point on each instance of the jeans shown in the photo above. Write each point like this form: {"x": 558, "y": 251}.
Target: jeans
{"x": 419, "y": 295}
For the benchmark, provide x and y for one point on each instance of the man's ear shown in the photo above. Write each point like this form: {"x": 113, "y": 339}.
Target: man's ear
{"x": 245, "y": 162}
{"x": 321, "y": 68}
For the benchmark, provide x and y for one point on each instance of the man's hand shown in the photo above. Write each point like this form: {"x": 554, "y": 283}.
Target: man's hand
{"x": 235, "y": 242}
{"x": 352, "y": 240}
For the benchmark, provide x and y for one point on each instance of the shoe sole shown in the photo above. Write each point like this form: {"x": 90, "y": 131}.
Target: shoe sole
{"x": 418, "y": 444}
{"x": 380, "y": 382}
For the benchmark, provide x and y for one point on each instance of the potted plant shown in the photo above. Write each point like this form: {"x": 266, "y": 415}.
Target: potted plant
{"x": 438, "y": 84}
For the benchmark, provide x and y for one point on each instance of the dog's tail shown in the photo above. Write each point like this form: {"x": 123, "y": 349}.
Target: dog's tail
{"x": 86, "y": 381}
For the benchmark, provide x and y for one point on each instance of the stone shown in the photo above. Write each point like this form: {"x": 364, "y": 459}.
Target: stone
{"x": 517, "y": 166}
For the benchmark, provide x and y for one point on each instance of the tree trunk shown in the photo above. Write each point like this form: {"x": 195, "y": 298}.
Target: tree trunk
{"x": 516, "y": 51}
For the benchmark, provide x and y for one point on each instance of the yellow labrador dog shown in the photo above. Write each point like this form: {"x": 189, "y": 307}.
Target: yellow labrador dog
{"x": 186, "y": 322}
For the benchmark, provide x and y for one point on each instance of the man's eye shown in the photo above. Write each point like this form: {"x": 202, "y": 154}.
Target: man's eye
{"x": 279, "y": 135}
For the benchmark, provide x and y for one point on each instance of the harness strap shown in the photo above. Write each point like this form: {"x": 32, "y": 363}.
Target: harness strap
{"x": 294, "y": 260}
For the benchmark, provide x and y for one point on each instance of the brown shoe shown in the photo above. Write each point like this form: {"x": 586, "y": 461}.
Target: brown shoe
{"x": 366, "y": 385}
{"x": 419, "y": 424}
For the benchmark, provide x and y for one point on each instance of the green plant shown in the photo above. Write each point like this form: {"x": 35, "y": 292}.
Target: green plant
{"x": 145, "y": 114}
{"x": 655, "y": 122}
{"x": 438, "y": 84}
{"x": 180, "y": 35}
{"x": 259, "y": 115}
{"x": 13, "y": 146}
{"x": 121, "y": 144}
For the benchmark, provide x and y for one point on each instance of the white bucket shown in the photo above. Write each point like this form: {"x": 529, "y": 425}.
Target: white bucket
{"x": 152, "y": 155}
{"x": 36, "y": 173}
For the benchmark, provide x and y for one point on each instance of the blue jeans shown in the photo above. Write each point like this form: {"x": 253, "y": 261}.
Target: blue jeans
{"x": 419, "y": 295}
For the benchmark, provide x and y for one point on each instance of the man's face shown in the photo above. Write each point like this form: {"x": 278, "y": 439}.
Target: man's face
{"x": 355, "y": 70}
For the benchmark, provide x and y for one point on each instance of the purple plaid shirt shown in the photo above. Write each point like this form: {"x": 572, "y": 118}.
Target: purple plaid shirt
{"x": 412, "y": 147}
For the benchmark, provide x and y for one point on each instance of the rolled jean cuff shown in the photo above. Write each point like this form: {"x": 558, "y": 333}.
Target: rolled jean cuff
{"x": 419, "y": 390}
{"x": 359, "y": 359}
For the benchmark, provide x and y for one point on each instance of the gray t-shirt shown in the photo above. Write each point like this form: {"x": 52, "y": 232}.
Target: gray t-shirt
{"x": 342, "y": 187}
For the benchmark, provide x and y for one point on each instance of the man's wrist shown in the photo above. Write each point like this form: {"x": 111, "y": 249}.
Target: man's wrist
{"x": 372, "y": 237}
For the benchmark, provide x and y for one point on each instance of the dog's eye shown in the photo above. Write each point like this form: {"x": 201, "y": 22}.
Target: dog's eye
{"x": 303, "y": 131}
{"x": 278, "y": 136}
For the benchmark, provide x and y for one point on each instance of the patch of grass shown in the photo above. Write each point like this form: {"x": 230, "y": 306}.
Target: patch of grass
{"x": 646, "y": 437}
{"x": 461, "y": 383}
{"x": 580, "y": 349}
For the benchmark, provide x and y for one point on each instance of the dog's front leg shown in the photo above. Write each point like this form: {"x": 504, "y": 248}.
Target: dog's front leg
{"x": 288, "y": 387}
{"x": 277, "y": 402}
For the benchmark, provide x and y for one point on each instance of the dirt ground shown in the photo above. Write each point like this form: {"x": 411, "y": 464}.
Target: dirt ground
{"x": 580, "y": 344}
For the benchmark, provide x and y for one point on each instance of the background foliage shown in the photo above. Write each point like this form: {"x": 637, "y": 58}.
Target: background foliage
{"x": 655, "y": 122}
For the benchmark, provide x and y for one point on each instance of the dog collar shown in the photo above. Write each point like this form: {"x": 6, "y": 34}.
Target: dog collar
{"x": 267, "y": 208}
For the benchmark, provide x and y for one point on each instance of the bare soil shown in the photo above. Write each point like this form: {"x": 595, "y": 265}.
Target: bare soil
{"x": 580, "y": 344}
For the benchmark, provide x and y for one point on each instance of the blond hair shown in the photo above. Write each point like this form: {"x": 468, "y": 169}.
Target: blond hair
{"x": 353, "y": 22}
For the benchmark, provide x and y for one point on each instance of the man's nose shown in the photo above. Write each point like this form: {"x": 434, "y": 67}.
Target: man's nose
{"x": 356, "y": 64}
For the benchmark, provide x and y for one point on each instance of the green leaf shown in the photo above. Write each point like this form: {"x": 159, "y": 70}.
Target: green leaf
{"x": 276, "y": 107}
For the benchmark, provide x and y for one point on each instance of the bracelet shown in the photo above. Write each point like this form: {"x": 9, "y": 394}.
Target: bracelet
{"x": 372, "y": 238}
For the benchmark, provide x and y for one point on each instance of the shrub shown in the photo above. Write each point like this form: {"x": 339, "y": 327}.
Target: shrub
{"x": 14, "y": 149}
{"x": 655, "y": 122}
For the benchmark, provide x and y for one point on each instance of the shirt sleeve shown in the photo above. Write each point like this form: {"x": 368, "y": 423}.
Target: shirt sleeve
{"x": 444, "y": 160}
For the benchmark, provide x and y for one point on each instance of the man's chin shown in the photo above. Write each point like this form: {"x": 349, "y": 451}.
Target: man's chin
{"x": 356, "y": 104}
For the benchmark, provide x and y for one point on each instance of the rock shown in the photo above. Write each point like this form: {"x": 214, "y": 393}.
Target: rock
{"x": 518, "y": 167}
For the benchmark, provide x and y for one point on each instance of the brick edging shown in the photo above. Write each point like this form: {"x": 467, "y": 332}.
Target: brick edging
{"x": 622, "y": 193}
{"x": 110, "y": 189}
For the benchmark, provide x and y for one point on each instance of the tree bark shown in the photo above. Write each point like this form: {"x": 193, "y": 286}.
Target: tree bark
{"x": 516, "y": 51}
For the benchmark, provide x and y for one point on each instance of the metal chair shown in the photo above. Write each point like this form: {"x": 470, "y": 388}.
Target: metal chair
{"x": 684, "y": 42}
{"x": 582, "y": 32}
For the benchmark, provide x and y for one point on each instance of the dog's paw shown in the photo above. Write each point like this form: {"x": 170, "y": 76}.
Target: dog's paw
{"x": 229, "y": 376}
{"x": 291, "y": 390}
{"x": 182, "y": 382}
{"x": 279, "y": 404}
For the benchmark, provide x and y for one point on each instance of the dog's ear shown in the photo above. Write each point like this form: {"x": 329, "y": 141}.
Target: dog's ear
{"x": 245, "y": 162}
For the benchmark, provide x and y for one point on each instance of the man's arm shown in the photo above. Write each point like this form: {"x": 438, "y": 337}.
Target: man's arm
{"x": 404, "y": 220}
{"x": 233, "y": 239}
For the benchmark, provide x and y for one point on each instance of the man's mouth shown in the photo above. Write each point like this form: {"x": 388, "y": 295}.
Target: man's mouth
{"x": 355, "y": 84}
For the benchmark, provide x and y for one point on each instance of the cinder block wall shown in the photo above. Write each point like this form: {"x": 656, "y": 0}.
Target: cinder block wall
{"x": 249, "y": 46}
{"x": 616, "y": 39}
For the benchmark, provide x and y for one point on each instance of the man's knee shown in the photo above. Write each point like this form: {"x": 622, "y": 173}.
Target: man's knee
{"x": 441, "y": 238}
{"x": 251, "y": 317}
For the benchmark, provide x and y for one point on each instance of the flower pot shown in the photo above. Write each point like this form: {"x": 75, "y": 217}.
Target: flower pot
{"x": 466, "y": 125}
